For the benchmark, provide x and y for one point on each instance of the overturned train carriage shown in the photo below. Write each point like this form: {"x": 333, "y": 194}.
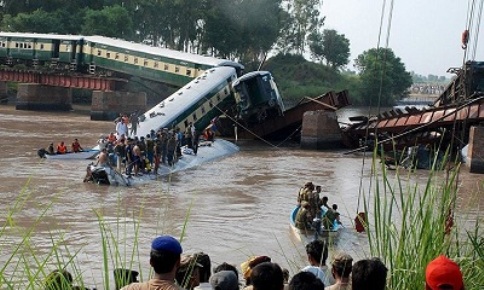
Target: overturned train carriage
{"x": 213, "y": 94}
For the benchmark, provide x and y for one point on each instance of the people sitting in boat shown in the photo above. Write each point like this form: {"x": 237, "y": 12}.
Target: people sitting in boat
{"x": 330, "y": 216}
{"x": 317, "y": 253}
{"x": 103, "y": 158}
{"x": 315, "y": 202}
{"x": 50, "y": 149}
{"x": 304, "y": 219}
{"x": 61, "y": 148}
{"x": 76, "y": 146}
{"x": 336, "y": 213}
{"x": 304, "y": 192}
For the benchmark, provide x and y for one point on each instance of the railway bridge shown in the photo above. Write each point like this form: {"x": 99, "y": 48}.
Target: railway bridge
{"x": 47, "y": 68}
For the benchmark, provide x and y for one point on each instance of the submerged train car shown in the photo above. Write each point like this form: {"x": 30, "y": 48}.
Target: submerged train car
{"x": 257, "y": 97}
{"x": 198, "y": 102}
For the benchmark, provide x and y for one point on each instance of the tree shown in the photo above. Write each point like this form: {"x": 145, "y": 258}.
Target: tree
{"x": 335, "y": 48}
{"x": 113, "y": 21}
{"x": 304, "y": 18}
{"x": 38, "y": 21}
{"x": 383, "y": 76}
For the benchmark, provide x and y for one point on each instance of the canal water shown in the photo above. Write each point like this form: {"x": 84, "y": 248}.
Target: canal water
{"x": 230, "y": 209}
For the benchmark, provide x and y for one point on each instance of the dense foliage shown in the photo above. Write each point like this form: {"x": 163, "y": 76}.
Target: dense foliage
{"x": 383, "y": 76}
{"x": 246, "y": 31}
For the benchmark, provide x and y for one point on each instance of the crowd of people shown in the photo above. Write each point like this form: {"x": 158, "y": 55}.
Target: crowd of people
{"x": 173, "y": 270}
{"x": 312, "y": 206}
{"x": 141, "y": 155}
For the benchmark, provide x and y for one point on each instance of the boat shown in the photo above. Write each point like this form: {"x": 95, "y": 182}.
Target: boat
{"x": 306, "y": 236}
{"x": 208, "y": 151}
{"x": 84, "y": 154}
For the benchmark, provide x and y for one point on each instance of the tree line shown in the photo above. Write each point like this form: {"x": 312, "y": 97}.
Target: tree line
{"x": 243, "y": 30}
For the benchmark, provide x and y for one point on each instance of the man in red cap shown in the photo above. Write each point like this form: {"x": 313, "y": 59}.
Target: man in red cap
{"x": 443, "y": 274}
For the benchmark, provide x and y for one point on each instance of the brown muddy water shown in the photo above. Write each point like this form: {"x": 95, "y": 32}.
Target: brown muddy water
{"x": 237, "y": 206}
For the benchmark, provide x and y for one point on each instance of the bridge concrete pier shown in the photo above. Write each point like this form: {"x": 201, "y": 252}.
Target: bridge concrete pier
{"x": 3, "y": 92}
{"x": 320, "y": 130}
{"x": 475, "y": 153}
{"x": 106, "y": 105}
{"x": 43, "y": 98}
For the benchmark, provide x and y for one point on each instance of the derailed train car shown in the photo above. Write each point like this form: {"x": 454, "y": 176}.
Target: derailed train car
{"x": 217, "y": 85}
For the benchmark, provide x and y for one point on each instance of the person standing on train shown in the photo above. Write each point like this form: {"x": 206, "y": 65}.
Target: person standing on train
{"x": 134, "y": 120}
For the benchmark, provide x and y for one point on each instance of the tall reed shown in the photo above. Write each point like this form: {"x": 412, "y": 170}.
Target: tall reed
{"x": 408, "y": 226}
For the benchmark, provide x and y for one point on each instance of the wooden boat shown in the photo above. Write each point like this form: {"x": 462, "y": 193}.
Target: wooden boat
{"x": 207, "y": 152}
{"x": 85, "y": 154}
{"x": 306, "y": 236}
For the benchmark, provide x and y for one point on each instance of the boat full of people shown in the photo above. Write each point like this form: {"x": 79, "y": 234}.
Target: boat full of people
{"x": 62, "y": 153}
{"x": 312, "y": 218}
{"x": 319, "y": 228}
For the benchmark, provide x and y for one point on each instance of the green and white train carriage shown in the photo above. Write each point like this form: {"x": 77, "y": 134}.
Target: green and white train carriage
{"x": 198, "y": 102}
{"x": 153, "y": 63}
{"x": 40, "y": 48}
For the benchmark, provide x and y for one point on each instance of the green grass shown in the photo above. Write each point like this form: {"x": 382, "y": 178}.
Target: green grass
{"x": 407, "y": 246}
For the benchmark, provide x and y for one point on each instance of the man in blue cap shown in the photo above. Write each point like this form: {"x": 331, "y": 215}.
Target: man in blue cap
{"x": 165, "y": 260}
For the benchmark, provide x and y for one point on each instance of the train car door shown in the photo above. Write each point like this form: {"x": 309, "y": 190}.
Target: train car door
{"x": 55, "y": 48}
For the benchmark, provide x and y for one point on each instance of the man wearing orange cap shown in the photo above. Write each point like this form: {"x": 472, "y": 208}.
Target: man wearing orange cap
{"x": 443, "y": 274}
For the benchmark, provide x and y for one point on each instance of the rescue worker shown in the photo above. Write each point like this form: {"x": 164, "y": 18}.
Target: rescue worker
{"x": 304, "y": 193}
{"x": 61, "y": 148}
{"x": 76, "y": 146}
{"x": 303, "y": 219}
{"x": 50, "y": 149}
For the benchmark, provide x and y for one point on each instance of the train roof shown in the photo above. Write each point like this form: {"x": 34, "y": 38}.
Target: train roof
{"x": 249, "y": 76}
{"x": 41, "y": 35}
{"x": 159, "y": 51}
{"x": 166, "y": 112}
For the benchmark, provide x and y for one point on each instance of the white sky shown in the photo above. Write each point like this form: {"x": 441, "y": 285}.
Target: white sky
{"x": 425, "y": 34}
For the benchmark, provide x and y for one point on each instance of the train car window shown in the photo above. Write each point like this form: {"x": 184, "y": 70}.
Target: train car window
{"x": 145, "y": 62}
{"x": 16, "y": 44}
{"x": 189, "y": 72}
{"x": 194, "y": 116}
{"x": 155, "y": 64}
{"x": 41, "y": 46}
{"x": 116, "y": 56}
{"x": 30, "y": 45}
{"x": 126, "y": 58}
{"x": 108, "y": 54}
{"x": 177, "y": 69}
{"x": 186, "y": 123}
{"x": 165, "y": 67}
{"x": 218, "y": 97}
{"x": 210, "y": 104}
{"x": 203, "y": 110}
{"x": 135, "y": 60}
{"x": 21, "y": 45}
{"x": 99, "y": 52}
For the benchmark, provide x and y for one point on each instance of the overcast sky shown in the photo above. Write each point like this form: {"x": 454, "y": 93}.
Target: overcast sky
{"x": 425, "y": 34}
